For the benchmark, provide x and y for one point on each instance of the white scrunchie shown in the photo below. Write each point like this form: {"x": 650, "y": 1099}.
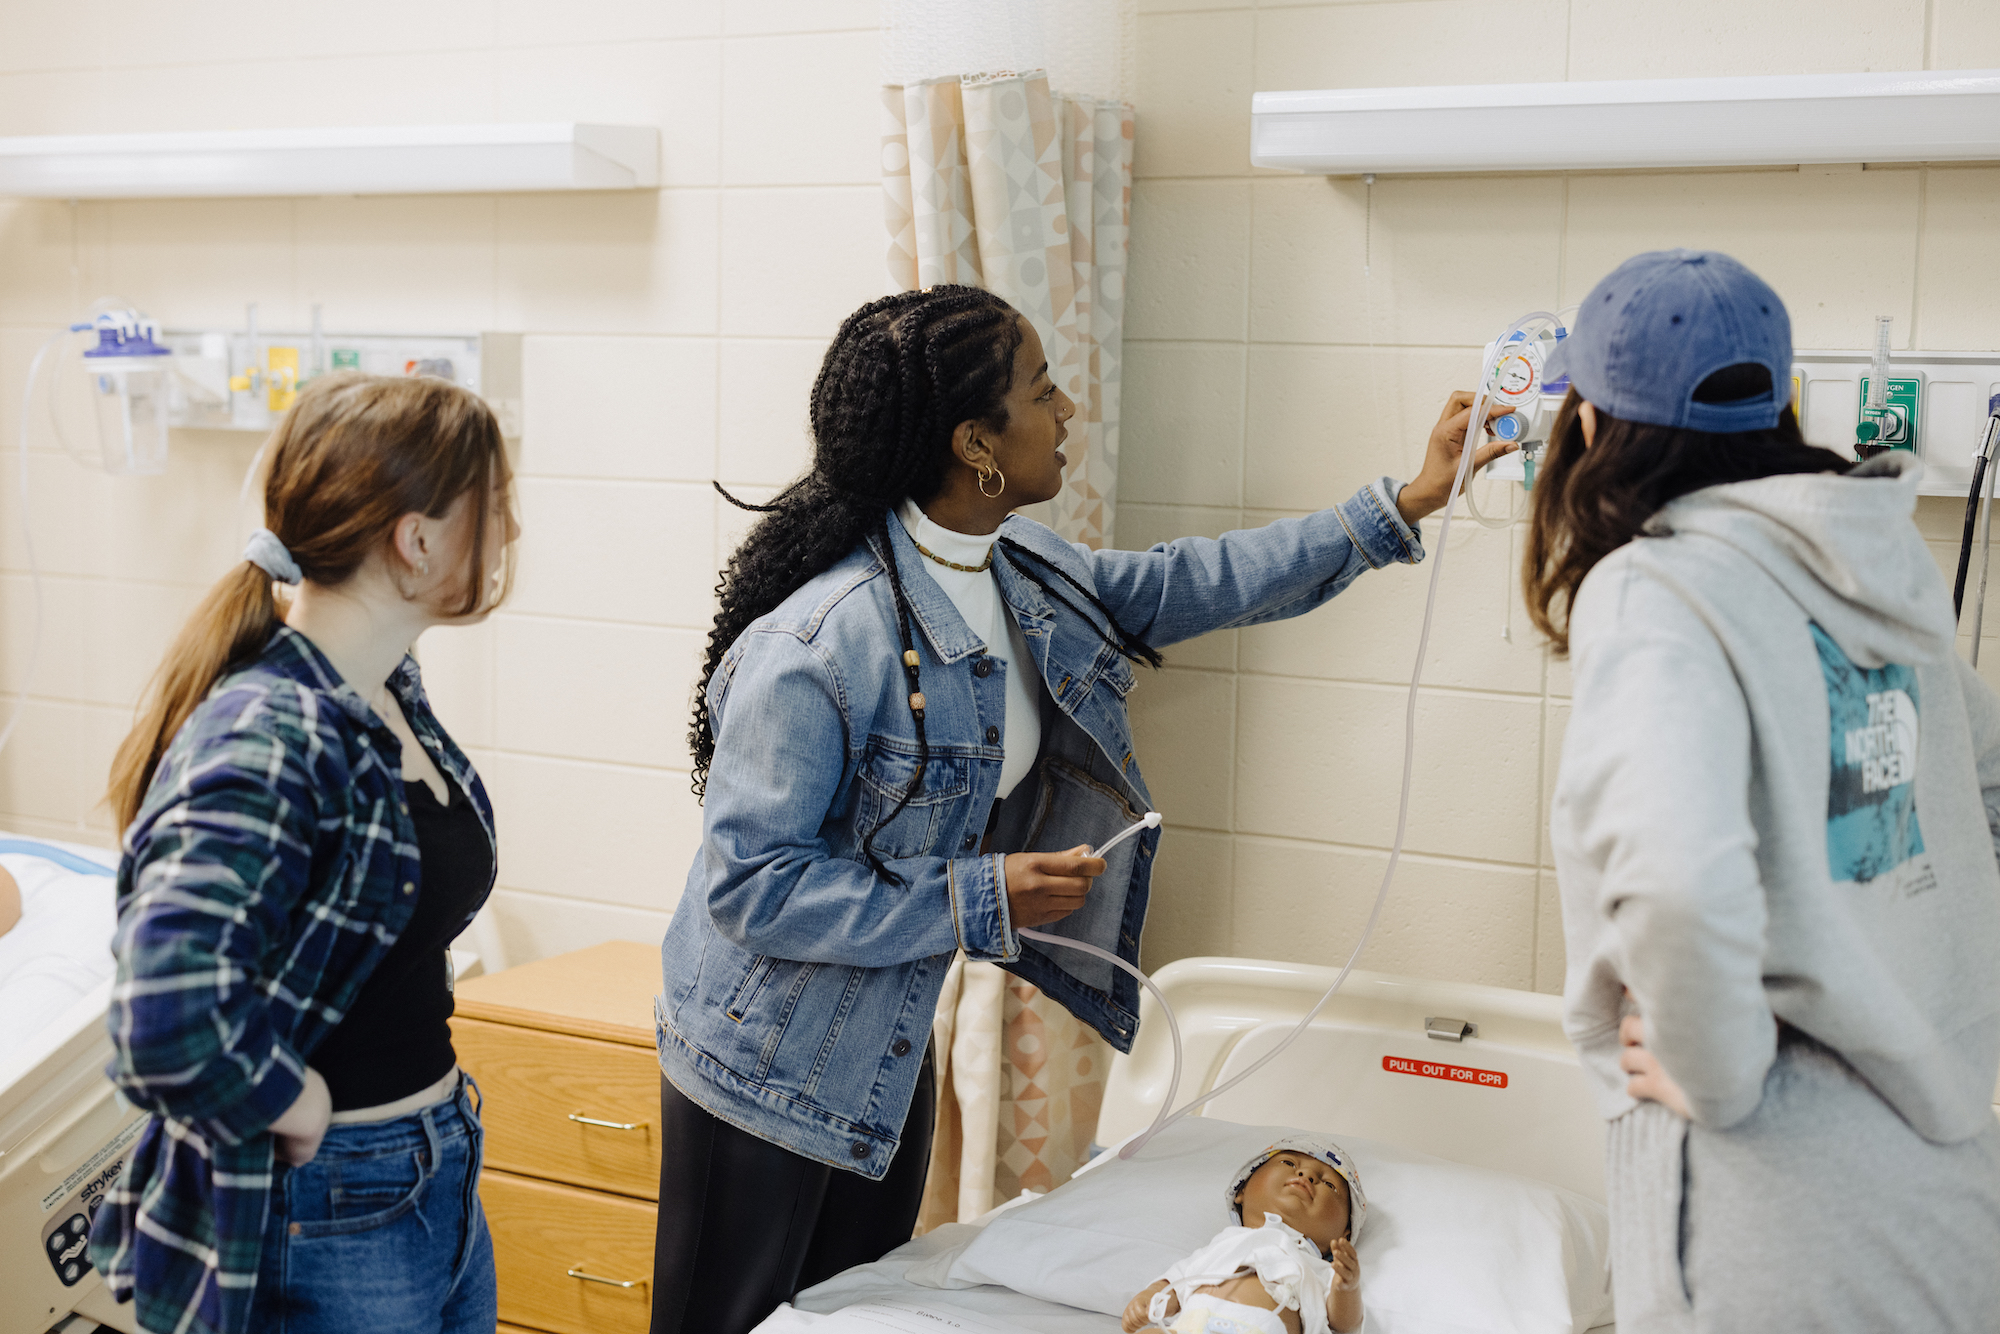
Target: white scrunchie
{"x": 268, "y": 554}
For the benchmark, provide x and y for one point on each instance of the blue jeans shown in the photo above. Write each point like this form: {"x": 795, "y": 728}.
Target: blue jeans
{"x": 382, "y": 1231}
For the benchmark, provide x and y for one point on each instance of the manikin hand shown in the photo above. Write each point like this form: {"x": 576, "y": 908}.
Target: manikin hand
{"x": 1426, "y": 492}
{"x": 1136, "y": 1310}
{"x": 1044, "y": 886}
{"x": 1346, "y": 1266}
{"x": 1650, "y": 1081}
{"x": 296, "y": 1134}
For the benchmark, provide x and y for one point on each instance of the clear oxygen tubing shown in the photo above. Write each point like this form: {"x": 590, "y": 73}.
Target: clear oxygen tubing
{"x": 1472, "y": 508}
{"x": 28, "y": 534}
{"x": 55, "y": 341}
{"x": 1168, "y": 1115}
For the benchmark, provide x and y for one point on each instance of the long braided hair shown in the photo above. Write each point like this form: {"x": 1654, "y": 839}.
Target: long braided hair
{"x": 899, "y": 377}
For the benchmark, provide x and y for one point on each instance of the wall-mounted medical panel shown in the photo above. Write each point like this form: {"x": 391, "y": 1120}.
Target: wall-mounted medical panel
{"x": 1765, "y": 120}
{"x": 244, "y": 379}
{"x": 373, "y": 160}
{"x": 1942, "y": 398}
{"x": 1942, "y": 395}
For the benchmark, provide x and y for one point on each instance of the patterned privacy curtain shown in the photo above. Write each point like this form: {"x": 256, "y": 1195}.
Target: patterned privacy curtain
{"x": 994, "y": 180}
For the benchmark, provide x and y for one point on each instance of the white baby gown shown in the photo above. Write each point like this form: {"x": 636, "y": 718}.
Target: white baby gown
{"x": 1291, "y": 1268}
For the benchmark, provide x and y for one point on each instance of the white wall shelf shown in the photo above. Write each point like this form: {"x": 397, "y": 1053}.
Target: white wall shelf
{"x": 377, "y": 160}
{"x": 1766, "y": 120}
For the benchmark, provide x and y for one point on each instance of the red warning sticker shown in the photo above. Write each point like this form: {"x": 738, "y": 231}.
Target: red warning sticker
{"x": 1457, "y": 1074}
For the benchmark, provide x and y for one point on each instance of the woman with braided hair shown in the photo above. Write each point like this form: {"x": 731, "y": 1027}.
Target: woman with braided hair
{"x": 910, "y": 733}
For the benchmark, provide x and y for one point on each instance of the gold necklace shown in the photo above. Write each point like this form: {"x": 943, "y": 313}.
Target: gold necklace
{"x": 980, "y": 568}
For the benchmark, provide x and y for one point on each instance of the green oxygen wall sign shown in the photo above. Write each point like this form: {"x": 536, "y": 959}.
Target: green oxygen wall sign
{"x": 1896, "y": 424}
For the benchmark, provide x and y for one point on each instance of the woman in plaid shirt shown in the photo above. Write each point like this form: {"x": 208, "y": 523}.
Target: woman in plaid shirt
{"x": 302, "y": 842}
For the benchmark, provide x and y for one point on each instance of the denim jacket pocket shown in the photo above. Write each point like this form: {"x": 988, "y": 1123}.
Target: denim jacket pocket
{"x": 753, "y": 981}
{"x": 886, "y": 772}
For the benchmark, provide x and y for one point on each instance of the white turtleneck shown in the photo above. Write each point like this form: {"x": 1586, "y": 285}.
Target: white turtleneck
{"x": 977, "y": 597}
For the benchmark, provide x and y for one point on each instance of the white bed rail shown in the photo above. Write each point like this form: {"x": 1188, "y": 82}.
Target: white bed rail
{"x": 1379, "y": 1063}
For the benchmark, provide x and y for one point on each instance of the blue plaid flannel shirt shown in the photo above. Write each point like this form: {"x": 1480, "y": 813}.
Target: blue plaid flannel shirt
{"x": 270, "y": 868}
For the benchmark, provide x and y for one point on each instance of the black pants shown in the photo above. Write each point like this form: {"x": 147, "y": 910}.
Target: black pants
{"x": 745, "y": 1224}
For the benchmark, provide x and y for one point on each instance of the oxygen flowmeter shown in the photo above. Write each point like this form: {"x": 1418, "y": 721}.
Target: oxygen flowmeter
{"x": 1516, "y": 383}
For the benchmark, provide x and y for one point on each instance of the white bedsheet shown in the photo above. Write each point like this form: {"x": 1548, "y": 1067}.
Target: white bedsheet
{"x": 59, "y": 950}
{"x": 884, "y": 1281}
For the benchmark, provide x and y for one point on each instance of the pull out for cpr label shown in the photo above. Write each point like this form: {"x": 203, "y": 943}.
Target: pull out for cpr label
{"x": 1457, "y": 1074}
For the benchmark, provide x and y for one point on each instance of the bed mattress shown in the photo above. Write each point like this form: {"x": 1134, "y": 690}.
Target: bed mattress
{"x": 886, "y": 1281}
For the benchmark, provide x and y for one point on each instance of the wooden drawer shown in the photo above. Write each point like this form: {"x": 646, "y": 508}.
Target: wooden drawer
{"x": 541, "y": 1230}
{"x": 533, "y": 1082}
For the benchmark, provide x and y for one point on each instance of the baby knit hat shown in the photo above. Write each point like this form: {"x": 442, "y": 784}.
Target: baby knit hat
{"x": 1312, "y": 1146}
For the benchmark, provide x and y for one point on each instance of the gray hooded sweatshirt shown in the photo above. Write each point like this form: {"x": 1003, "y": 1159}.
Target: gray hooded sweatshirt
{"x": 1777, "y": 801}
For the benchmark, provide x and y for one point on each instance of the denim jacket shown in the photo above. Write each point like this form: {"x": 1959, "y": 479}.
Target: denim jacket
{"x": 800, "y": 984}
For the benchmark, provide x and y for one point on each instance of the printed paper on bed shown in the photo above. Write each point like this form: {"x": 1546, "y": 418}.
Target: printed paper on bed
{"x": 911, "y": 1318}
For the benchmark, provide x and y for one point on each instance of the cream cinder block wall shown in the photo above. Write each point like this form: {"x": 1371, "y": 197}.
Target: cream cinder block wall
{"x": 1291, "y": 337}
{"x": 671, "y": 338}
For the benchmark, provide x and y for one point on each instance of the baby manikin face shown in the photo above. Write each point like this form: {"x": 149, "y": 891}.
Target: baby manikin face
{"x": 1310, "y": 1196}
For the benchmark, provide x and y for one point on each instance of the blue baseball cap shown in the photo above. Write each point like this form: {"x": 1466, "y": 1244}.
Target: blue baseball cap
{"x": 1663, "y": 322}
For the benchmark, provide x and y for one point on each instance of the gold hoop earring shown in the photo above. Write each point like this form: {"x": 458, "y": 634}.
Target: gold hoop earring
{"x": 985, "y": 474}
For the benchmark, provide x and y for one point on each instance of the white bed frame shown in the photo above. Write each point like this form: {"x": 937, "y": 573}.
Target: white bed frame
{"x": 1379, "y": 1063}
{"x": 63, "y": 1135}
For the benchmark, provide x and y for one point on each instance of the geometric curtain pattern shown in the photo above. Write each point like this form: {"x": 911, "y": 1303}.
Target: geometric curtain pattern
{"x": 992, "y": 181}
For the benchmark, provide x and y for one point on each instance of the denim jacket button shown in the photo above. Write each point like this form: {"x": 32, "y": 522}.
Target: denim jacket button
{"x": 992, "y": 736}
{"x": 901, "y": 1047}
{"x": 860, "y": 1149}
{"x": 970, "y": 840}
{"x": 983, "y": 668}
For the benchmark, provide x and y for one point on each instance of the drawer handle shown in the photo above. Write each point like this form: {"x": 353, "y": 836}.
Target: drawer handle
{"x": 581, "y": 1119}
{"x": 608, "y": 1282}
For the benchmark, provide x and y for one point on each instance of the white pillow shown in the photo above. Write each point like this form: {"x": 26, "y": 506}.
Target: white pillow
{"x": 1447, "y": 1249}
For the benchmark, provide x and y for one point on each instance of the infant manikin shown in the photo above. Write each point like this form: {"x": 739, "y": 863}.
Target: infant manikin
{"x": 1294, "y": 1273}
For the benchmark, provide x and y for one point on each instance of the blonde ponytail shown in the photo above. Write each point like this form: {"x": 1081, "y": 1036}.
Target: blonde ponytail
{"x": 230, "y": 627}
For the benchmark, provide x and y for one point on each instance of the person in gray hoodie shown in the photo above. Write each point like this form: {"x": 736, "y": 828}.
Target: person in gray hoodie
{"x": 1774, "y": 832}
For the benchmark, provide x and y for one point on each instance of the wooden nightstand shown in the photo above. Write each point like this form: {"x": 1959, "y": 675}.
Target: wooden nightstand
{"x": 563, "y": 1053}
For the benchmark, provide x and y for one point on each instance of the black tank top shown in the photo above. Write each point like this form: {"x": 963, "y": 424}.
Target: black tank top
{"x": 395, "y": 1039}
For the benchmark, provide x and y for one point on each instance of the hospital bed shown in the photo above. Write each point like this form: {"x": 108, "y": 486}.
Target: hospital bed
{"x": 1476, "y": 1077}
{"x": 63, "y": 1129}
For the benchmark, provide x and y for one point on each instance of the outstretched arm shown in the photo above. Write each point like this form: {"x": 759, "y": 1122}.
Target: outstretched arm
{"x": 1178, "y": 590}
